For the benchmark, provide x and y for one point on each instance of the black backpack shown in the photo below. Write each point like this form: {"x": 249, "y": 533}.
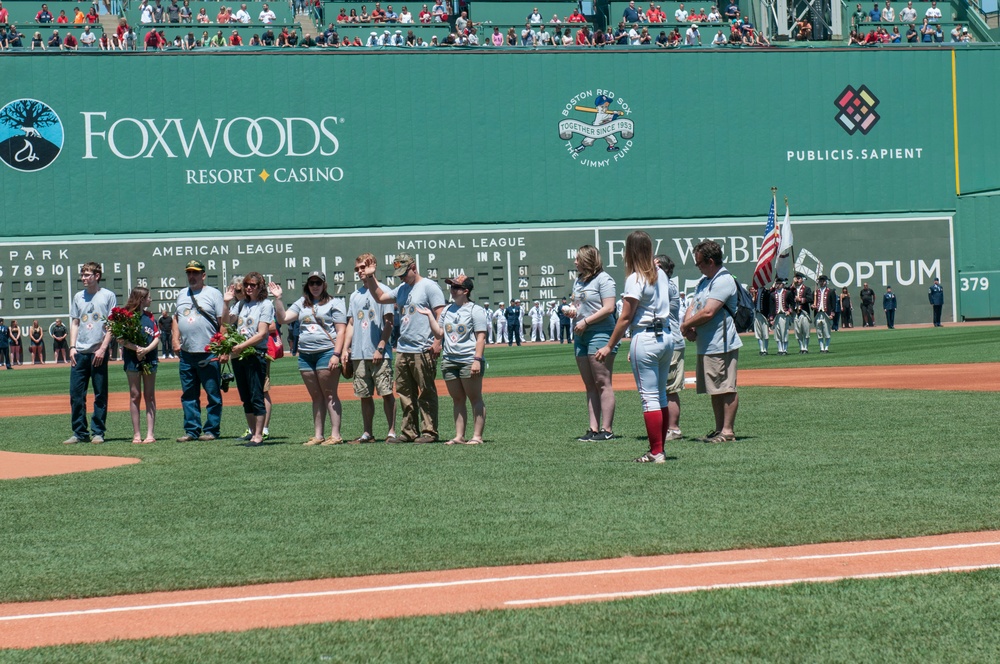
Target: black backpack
{"x": 744, "y": 314}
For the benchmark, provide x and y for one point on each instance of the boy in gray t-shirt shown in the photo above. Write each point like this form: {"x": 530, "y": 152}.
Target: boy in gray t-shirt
{"x": 89, "y": 338}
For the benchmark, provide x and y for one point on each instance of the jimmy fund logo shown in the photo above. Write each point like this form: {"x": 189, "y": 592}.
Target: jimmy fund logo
{"x": 31, "y": 135}
{"x": 604, "y": 121}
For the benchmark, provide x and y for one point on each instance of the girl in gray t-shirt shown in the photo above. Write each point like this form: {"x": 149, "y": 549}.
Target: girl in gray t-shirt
{"x": 252, "y": 316}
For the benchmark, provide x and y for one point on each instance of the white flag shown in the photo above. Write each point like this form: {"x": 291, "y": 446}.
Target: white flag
{"x": 783, "y": 264}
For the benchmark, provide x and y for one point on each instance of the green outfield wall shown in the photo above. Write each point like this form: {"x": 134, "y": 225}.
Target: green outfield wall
{"x": 270, "y": 159}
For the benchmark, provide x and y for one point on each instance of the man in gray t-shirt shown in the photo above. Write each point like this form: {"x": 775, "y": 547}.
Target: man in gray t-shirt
{"x": 417, "y": 349}
{"x": 200, "y": 309}
{"x": 708, "y": 321}
{"x": 89, "y": 339}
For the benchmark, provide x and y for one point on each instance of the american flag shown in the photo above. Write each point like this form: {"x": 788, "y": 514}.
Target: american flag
{"x": 765, "y": 262}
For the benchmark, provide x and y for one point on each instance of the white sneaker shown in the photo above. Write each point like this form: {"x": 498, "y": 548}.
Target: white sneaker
{"x": 674, "y": 434}
{"x": 649, "y": 457}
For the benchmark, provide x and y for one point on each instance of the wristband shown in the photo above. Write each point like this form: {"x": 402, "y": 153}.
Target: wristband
{"x": 479, "y": 359}
{"x": 380, "y": 349}
{"x": 336, "y": 355}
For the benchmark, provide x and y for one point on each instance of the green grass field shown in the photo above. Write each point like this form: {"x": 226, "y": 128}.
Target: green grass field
{"x": 810, "y": 466}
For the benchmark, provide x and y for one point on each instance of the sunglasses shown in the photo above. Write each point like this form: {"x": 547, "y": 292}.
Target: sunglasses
{"x": 399, "y": 264}
{"x": 250, "y": 284}
{"x": 314, "y": 283}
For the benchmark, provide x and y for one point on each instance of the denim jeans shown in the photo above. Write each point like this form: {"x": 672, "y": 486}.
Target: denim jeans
{"x": 194, "y": 378}
{"x": 80, "y": 377}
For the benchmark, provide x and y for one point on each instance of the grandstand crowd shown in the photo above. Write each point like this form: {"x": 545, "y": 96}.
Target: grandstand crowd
{"x": 162, "y": 25}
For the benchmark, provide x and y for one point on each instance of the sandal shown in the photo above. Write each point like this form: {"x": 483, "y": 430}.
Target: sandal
{"x": 148, "y": 440}
{"x": 455, "y": 441}
{"x": 332, "y": 441}
{"x": 721, "y": 438}
{"x": 711, "y": 434}
{"x": 473, "y": 442}
{"x": 136, "y": 439}
{"x": 313, "y": 441}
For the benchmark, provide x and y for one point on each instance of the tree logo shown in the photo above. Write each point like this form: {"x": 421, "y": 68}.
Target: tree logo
{"x": 31, "y": 135}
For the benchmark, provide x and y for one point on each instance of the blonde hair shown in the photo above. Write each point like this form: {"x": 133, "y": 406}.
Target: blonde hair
{"x": 639, "y": 256}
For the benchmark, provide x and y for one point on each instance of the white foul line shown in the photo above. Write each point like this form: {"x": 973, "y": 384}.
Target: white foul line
{"x": 746, "y": 584}
{"x": 504, "y": 579}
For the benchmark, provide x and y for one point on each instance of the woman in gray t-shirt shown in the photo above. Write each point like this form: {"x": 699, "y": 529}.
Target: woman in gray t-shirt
{"x": 592, "y": 311}
{"x": 462, "y": 328}
{"x": 321, "y": 341}
{"x": 252, "y": 316}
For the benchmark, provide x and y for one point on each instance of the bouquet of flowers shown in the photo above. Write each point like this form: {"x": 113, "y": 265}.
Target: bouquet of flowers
{"x": 222, "y": 343}
{"x": 127, "y": 326}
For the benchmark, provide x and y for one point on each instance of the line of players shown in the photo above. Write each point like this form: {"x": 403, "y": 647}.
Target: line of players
{"x": 797, "y": 307}
{"x": 506, "y": 322}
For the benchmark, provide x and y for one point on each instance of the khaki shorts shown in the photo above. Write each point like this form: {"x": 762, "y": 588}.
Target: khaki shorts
{"x": 370, "y": 378}
{"x": 675, "y": 379}
{"x": 267, "y": 376}
{"x": 455, "y": 370}
{"x": 716, "y": 374}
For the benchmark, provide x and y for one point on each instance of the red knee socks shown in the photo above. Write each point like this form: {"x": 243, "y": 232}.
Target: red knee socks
{"x": 654, "y": 429}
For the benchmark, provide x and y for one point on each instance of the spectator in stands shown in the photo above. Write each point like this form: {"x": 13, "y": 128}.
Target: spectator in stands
{"x": 859, "y": 16}
{"x": 805, "y": 28}
{"x": 854, "y": 39}
{"x": 912, "y": 36}
{"x": 567, "y": 38}
{"x": 719, "y": 39}
{"x": 511, "y": 37}
{"x": 699, "y": 17}
{"x": 235, "y": 39}
{"x": 241, "y": 15}
{"x": 225, "y": 16}
{"x": 44, "y": 15}
{"x": 265, "y": 16}
{"x": 527, "y": 35}
{"x": 424, "y": 16}
{"x": 938, "y": 34}
{"x": 933, "y": 13}
{"x": 732, "y": 11}
{"x": 760, "y": 39}
{"x": 888, "y": 13}
{"x": 496, "y": 39}
{"x": 218, "y": 40}
{"x": 282, "y": 39}
{"x": 645, "y": 39}
{"x": 439, "y": 12}
{"x": 151, "y": 40}
{"x": 14, "y": 38}
{"x": 62, "y": 19}
{"x": 105, "y": 42}
{"x": 145, "y": 12}
{"x": 255, "y": 41}
{"x": 55, "y": 41}
{"x": 681, "y": 15}
{"x": 353, "y": 17}
{"x": 633, "y": 35}
{"x": 534, "y": 16}
{"x": 714, "y": 16}
{"x": 895, "y": 37}
{"x": 185, "y": 14}
{"x": 364, "y": 16}
{"x": 555, "y": 20}
{"x": 966, "y": 37}
{"x": 158, "y": 12}
{"x": 926, "y": 31}
{"x": 78, "y": 16}
{"x": 87, "y": 37}
{"x": 908, "y": 14}
{"x": 391, "y": 16}
{"x": 576, "y": 17}
{"x": 631, "y": 14}
{"x": 875, "y": 15}
{"x": 599, "y": 38}
{"x": 173, "y": 12}
{"x": 4, "y": 16}
{"x": 342, "y": 17}
{"x": 956, "y": 33}
{"x": 620, "y": 34}
{"x": 378, "y": 14}
{"x": 405, "y": 16}
{"x": 584, "y": 37}
{"x": 662, "y": 41}
{"x": 70, "y": 43}
{"x": 735, "y": 34}
{"x": 692, "y": 37}
{"x": 543, "y": 37}
{"x": 203, "y": 16}
{"x": 4, "y": 43}
{"x": 675, "y": 38}
{"x": 462, "y": 23}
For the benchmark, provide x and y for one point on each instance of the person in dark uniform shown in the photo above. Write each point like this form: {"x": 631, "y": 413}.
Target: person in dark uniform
{"x": 781, "y": 314}
{"x": 889, "y": 306}
{"x": 846, "y": 310}
{"x": 802, "y": 306}
{"x": 823, "y": 308}
{"x": 513, "y": 316}
{"x": 166, "y": 324}
{"x": 761, "y": 322}
{"x": 867, "y": 306}
{"x": 935, "y": 295}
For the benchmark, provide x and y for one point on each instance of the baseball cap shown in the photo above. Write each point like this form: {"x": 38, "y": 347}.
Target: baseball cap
{"x": 194, "y": 266}
{"x": 317, "y": 274}
{"x": 402, "y": 263}
{"x": 800, "y": 275}
{"x": 462, "y": 281}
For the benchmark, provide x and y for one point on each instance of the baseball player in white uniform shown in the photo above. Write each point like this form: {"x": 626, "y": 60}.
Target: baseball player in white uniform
{"x": 537, "y": 321}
